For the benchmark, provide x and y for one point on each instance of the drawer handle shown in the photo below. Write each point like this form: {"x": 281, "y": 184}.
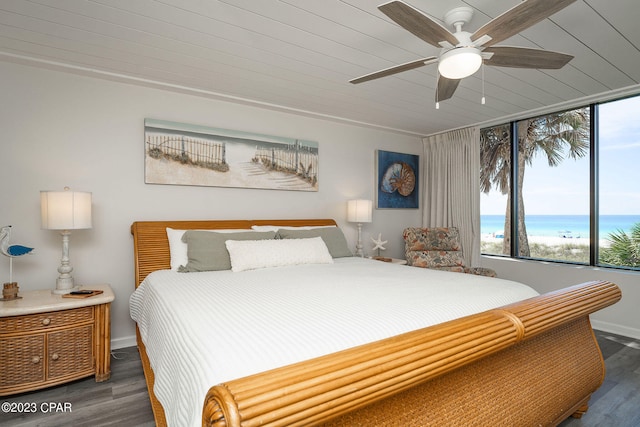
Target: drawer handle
{"x": 46, "y": 321}
{"x": 35, "y": 360}
{"x": 55, "y": 356}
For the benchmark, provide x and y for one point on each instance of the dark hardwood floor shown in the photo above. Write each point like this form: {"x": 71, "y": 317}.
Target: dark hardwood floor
{"x": 617, "y": 402}
{"x": 123, "y": 401}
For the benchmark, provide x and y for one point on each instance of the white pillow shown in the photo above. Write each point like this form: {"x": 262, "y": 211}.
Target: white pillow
{"x": 280, "y": 227}
{"x": 178, "y": 248}
{"x": 253, "y": 254}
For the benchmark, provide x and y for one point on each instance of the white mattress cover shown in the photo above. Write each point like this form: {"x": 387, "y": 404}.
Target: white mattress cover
{"x": 232, "y": 325}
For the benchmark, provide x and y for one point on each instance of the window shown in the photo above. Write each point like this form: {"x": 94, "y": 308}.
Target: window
{"x": 619, "y": 174}
{"x": 553, "y": 197}
{"x": 567, "y": 178}
{"x": 495, "y": 158}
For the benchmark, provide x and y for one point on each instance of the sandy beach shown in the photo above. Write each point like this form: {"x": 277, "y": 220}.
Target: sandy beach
{"x": 550, "y": 240}
{"x": 545, "y": 240}
{"x": 572, "y": 249}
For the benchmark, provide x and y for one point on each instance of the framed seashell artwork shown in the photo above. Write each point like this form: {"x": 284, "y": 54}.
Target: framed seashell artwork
{"x": 397, "y": 177}
{"x": 185, "y": 154}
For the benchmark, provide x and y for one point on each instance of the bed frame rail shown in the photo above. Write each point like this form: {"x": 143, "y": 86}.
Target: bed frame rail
{"x": 471, "y": 357}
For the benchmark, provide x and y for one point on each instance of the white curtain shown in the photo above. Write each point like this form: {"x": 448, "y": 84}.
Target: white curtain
{"x": 452, "y": 186}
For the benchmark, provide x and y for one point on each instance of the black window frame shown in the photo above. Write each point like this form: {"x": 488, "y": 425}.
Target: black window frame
{"x": 593, "y": 189}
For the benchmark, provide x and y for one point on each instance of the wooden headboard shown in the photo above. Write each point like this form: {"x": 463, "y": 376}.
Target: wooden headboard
{"x": 151, "y": 246}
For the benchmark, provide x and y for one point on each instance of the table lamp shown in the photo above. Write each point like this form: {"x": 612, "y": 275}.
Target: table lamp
{"x": 65, "y": 211}
{"x": 359, "y": 211}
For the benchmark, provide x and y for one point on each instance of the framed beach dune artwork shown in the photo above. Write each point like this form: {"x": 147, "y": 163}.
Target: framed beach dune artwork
{"x": 184, "y": 154}
{"x": 397, "y": 180}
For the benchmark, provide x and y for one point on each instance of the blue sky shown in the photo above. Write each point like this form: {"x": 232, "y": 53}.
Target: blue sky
{"x": 564, "y": 190}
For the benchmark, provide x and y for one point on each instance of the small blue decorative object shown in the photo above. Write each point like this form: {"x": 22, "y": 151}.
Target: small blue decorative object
{"x": 12, "y": 251}
{"x": 18, "y": 250}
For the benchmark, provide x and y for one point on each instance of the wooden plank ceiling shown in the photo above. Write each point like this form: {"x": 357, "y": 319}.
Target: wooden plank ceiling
{"x": 298, "y": 55}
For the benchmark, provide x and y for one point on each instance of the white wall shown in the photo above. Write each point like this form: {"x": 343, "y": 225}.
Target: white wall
{"x": 621, "y": 318}
{"x": 62, "y": 129}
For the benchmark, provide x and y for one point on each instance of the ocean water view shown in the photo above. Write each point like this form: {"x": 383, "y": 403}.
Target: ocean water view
{"x": 570, "y": 226}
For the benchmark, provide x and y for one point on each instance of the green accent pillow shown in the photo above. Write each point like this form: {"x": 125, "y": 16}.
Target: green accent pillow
{"x": 206, "y": 251}
{"x": 332, "y": 237}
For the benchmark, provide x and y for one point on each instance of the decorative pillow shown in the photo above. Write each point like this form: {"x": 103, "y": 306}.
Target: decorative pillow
{"x": 432, "y": 239}
{"x": 332, "y": 237}
{"x": 253, "y": 254}
{"x": 280, "y": 227}
{"x": 178, "y": 248}
{"x": 206, "y": 251}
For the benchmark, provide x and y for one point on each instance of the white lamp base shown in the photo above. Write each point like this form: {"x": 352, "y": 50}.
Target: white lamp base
{"x": 64, "y": 286}
{"x": 359, "y": 251}
{"x": 64, "y": 283}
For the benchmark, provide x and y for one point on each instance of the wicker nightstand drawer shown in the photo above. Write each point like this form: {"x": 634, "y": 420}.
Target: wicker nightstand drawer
{"x": 22, "y": 357}
{"x": 69, "y": 352}
{"x": 50, "y": 320}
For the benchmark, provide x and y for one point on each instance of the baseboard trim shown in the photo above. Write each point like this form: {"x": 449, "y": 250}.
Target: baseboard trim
{"x": 616, "y": 329}
{"x": 123, "y": 342}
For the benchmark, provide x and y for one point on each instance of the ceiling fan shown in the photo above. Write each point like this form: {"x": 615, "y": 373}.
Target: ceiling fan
{"x": 462, "y": 52}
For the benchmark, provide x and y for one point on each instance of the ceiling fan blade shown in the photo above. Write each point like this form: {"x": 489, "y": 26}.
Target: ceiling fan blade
{"x": 446, "y": 88}
{"x": 522, "y": 57}
{"x": 417, "y": 23}
{"x": 395, "y": 69}
{"x": 519, "y": 18}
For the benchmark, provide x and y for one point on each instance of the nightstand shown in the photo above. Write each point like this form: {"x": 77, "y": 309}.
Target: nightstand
{"x": 47, "y": 340}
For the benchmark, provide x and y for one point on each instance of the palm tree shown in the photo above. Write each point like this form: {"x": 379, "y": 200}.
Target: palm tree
{"x": 551, "y": 135}
{"x": 624, "y": 249}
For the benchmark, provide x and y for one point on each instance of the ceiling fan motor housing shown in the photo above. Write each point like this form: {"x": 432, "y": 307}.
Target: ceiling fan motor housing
{"x": 458, "y": 17}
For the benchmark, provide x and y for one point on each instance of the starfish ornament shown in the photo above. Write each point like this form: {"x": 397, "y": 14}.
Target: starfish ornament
{"x": 379, "y": 243}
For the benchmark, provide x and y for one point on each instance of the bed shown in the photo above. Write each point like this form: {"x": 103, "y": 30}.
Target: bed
{"x": 533, "y": 361}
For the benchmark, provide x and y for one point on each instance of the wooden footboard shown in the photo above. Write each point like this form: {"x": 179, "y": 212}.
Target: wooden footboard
{"x": 534, "y": 362}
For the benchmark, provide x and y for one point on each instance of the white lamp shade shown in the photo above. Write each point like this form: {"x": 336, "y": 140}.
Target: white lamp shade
{"x": 65, "y": 210}
{"x": 460, "y": 62}
{"x": 359, "y": 210}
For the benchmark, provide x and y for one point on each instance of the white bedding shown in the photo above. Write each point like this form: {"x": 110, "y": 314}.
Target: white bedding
{"x": 201, "y": 329}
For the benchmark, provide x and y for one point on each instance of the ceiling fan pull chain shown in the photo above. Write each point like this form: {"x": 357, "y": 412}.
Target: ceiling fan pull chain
{"x": 437, "y": 97}
{"x": 483, "y": 100}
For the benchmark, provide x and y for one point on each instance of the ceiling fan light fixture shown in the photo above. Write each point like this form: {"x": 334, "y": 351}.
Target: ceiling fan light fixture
{"x": 460, "y": 62}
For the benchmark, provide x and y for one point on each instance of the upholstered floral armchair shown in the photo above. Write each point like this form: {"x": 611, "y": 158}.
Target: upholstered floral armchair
{"x": 438, "y": 248}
